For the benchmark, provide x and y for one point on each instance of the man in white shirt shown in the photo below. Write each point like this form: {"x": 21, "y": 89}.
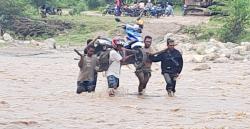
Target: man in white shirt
{"x": 115, "y": 60}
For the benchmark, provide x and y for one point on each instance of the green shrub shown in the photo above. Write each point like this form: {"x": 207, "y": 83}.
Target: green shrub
{"x": 193, "y": 30}
{"x": 236, "y": 22}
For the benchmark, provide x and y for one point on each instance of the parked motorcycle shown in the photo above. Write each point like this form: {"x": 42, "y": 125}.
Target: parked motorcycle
{"x": 45, "y": 10}
{"x": 132, "y": 12}
{"x": 110, "y": 9}
{"x": 155, "y": 11}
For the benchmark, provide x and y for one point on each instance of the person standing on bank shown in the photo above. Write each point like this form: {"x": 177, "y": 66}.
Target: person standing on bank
{"x": 171, "y": 65}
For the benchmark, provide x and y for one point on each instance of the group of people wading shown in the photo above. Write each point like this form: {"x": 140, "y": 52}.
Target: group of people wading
{"x": 170, "y": 58}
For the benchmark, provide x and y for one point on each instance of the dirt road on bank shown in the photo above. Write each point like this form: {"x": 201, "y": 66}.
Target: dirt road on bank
{"x": 38, "y": 86}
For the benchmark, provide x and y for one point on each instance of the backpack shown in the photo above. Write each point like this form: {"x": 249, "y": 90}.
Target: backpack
{"x": 103, "y": 59}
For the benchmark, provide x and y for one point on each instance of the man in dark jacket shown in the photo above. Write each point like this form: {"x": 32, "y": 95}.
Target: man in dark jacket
{"x": 171, "y": 65}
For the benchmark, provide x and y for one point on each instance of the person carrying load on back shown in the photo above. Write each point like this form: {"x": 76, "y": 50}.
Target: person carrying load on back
{"x": 171, "y": 65}
{"x": 87, "y": 65}
{"x": 115, "y": 60}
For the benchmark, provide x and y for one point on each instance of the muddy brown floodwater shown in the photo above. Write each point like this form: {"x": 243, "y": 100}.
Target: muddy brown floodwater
{"x": 37, "y": 91}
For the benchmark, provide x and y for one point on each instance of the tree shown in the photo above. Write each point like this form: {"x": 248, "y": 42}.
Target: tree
{"x": 10, "y": 7}
{"x": 237, "y": 20}
{"x": 38, "y": 3}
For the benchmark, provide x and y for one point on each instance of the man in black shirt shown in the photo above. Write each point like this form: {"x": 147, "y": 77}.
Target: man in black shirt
{"x": 171, "y": 65}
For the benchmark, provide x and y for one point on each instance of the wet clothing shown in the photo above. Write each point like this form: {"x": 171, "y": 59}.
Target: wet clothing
{"x": 171, "y": 81}
{"x": 144, "y": 73}
{"x": 114, "y": 63}
{"x": 171, "y": 61}
{"x": 148, "y": 62}
{"x": 171, "y": 66}
{"x": 85, "y": 86}
{"x": 95, "y": 74}
{"x": 113, "y": 72}
{"x": 143, "y": 77}
{"x": 87, "y": 68}
{"x": 113, "y": 82}
{"x": 86, "y": 78}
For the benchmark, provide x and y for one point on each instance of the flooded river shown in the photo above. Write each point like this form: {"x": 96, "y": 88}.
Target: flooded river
{"x": 37, "y": 91}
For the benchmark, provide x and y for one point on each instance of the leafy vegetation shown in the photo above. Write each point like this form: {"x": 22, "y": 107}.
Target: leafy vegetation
{"x": 232, "y": 28}
{"x": 235, "y": 25}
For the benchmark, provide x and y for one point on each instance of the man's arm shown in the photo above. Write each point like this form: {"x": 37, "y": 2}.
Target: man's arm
{"x": 117, "y": 57}
{"x": 78, "y": 53}
{"x": 180, "y": 61}
{"x": 80, "y": 63}
{"x": 98, "y": 37}
{"x": 93, "y": 41}
{"x": 126, "y": 58}
{"x": 155, "y": 58}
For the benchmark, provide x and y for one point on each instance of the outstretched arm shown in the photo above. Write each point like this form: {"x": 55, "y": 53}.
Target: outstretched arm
{"x": 125, "y": 59}
{"x": 78, "y": 53}
{"x": 92, "y": 42}
{"x": 81, "y": 59}
{"x": 155, "y": 58}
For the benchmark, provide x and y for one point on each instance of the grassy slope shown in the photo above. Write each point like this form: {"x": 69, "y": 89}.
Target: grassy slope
{"x": 86, "y": 27}
{"x": 213, "y": 26}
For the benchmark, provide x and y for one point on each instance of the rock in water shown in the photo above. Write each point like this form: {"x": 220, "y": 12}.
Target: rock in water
{"x": 230, "y": 45}
{"x": 168, "y": 35}
{"x": 236, "y": 57}
{"x": 7, "y": 37}
{"x": 200, "y": 48}
{"x": 212, "y": 56}
{"x": 199, "y": 59}
{"x": 202, "y": 67}
{"x": 239, "y": 50}
{"x": 247, "y": 45}
{"x": 221, "y": 60}
{"x": 51, "y": 43}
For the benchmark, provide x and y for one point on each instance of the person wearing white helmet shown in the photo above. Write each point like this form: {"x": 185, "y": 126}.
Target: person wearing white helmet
{"x": 115, "y": 60}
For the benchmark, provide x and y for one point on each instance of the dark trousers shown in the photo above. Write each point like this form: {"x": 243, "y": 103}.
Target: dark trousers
{"x": 118, "y": 11}
{"x": 171, "y": 81}
{"x": 113, "y": 82}
{"x": 94, "y": 82}
{"x": 85, "y": 86}
{"x": 143, "y": 77}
